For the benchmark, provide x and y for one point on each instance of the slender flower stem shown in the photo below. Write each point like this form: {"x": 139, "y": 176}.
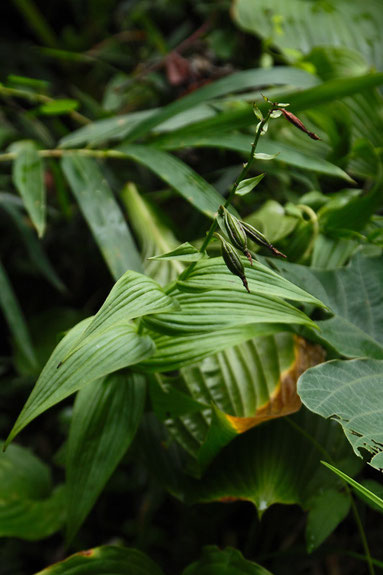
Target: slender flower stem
{"x": 348, "y": 490}
{"x": 245, "y": 170}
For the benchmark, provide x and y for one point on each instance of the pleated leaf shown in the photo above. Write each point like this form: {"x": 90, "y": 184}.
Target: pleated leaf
{"x": 228, "y": 561}
{"x": 247, "y": 384}
{"x": 114, "y": 348}
{"x": 106, "y": 560}
{"x": 28, "y": 178}
{"x": 102, "y": 214}
{"x": 29, "y": 506}
{"x": 105, "y": 418}
{"x": 133, "y": 295}
{"x": 352, "y": 393}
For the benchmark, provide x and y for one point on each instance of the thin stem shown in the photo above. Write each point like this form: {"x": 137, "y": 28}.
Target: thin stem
{"x": 354, "y": 508}
{"x": 245, "y": 170}
{"x": 39, "y": 98}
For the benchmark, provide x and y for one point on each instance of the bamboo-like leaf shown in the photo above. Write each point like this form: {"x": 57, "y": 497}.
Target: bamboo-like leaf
{"x": 178, "y": 175}
{"x": 361, "y": 489}
{"x": 29, "y": 506}
{"x": 105, "y": 418}
{"x": 247, "y": 186}
{"x": 115, "y": 348}
{"x": 15, "y": 319}
{"x": 102, "y": 213}
{"x": 28, "y": 178}
{"x": 350, "y": 392}
{"x": 226, "y": 561}
{"x": 108, "y": 560}
{"x": 31, "y": 243}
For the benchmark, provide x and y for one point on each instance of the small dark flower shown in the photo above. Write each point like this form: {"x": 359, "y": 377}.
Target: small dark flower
{"x": 298, "y": 124}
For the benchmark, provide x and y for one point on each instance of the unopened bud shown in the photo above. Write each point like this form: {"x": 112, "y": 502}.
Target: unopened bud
{"x": 298, "y": 124}
{"x": 254, "y": 235}
{"x": 235, "y": 232}
{"x": 232, "y": 260}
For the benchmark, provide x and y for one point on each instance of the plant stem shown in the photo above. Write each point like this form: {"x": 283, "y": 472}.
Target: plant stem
{"x": 39, "y": 98}
{"x": 245, "y": 170}
{"x": 348, "y": 490}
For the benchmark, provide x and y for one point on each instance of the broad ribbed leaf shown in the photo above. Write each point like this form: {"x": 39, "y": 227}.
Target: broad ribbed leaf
{"x": 28, "y": 178}
{"x": 14, "y": 316}
{"x": 227, "y": 561}
{"x": 102, "y": 213}
{"x": 114, "y": 348}
{"x": 355, "y": 296}
{"x": 247, "y": 385}
{"x": 298, "y": 26}
{"x": 258, "y": 466}
{"x": 105, "y": 418}
{"x": 215, "y": 309}
{"x": 133, "y": 295}
{"x": 173, "y": 352}
{"x": 352, "y": 393}
{"x": 29, "y": 507}
{"x": 184, "y": 253}
{"x": 190, "y": 185}
{"x": 213, "y": 274}
{"x": 153, "y": 236}
{"x": 361, "y": 489}
{"x": 106, "y": 560}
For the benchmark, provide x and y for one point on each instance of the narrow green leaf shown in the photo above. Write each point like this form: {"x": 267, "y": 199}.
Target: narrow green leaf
{"x": 28, "y": 178}
{"x": 226, "y": 561}
{"x": 57, "y": 107}
{"x": 357, "y": 486}
{"x": 102, "y": 214}
{"x": 114, "y": 348}
{"x": 105, "y": 418}
{"x": 178, "y": 175}
{"x": 233, "y": 83}
{"x": 31, "y": 243}
{"x": 183, "y": 253}
{"x": 242, "y": 143}
{"x": 248, "y": 185}
{"x": 15, "y": 319}
{"x": 29, "y": 506}
{"x": 352, "y": 393}
{"x": 106, "y": 560}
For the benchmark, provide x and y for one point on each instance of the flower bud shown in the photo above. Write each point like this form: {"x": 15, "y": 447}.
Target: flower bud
{"x": 298, "y": 124}
{"x": 254, "y": 235}
{"x": 236, "y": 233}
{"x": 232, "y": 260}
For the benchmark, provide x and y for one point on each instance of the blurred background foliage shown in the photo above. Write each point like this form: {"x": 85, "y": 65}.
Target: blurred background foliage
{"x": 162, "y": 91}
